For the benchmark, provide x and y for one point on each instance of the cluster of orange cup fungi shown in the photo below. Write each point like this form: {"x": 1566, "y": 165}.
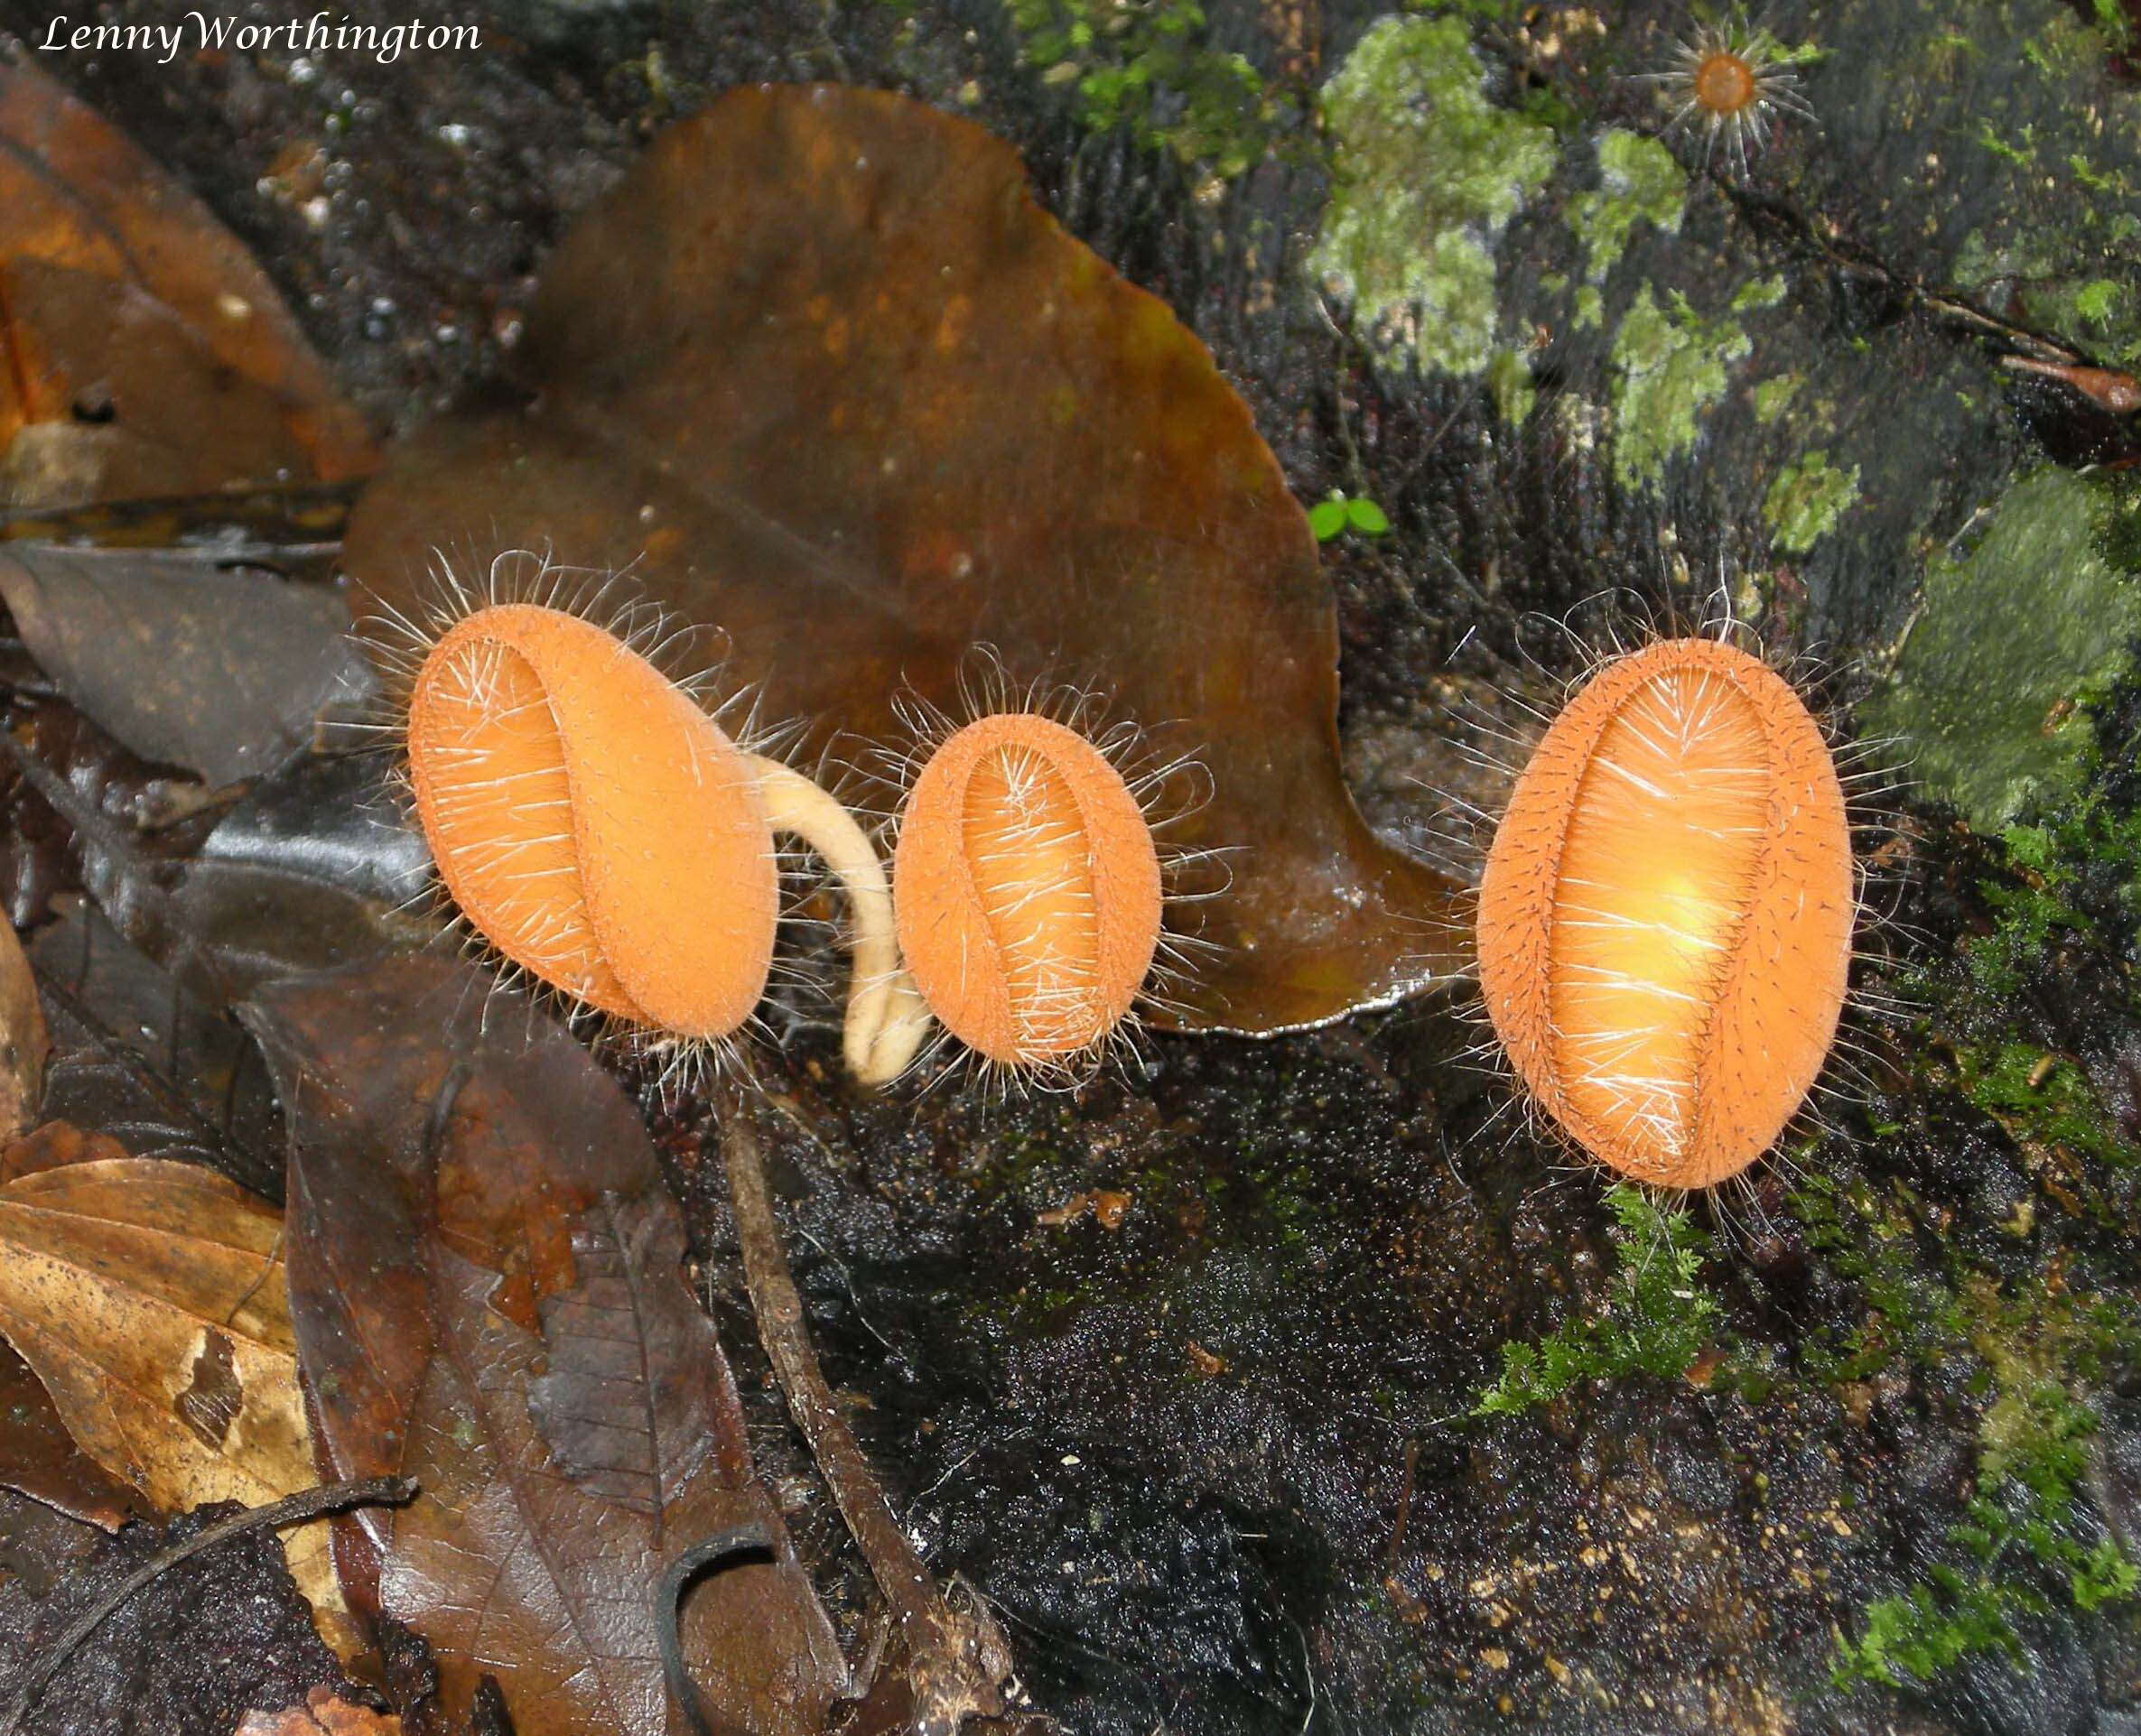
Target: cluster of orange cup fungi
{"x": 599, "y": 829}
{"x": 1665, "y": 921}
{"x": 1664, "y": 927}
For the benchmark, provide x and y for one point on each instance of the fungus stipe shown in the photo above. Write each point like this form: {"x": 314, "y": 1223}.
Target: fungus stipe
{"x": 594, "y": 824}
{"x": 1027, "y": 890}
{"x": 1666, "y": 915}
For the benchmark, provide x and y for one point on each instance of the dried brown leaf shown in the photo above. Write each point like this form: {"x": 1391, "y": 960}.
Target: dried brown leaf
{"x": 824, "y": 376}
{"x": 149, "y": 1296}
{"x": 143, "y": 352}
{"x": 487, "y": 1287}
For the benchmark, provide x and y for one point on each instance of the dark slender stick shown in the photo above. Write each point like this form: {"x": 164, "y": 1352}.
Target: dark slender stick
{"x": 296, "y": 1509}
{"x": 957, "y": 1662}
{"x": 893, "y": 1562}
{"x": 743, "y": 1539}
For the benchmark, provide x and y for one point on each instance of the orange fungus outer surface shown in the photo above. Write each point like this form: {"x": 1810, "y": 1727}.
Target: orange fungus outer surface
{"x": 592, "y": 821}
{"x": 1665, "y": 920}
{"x": 1027, "y": 889}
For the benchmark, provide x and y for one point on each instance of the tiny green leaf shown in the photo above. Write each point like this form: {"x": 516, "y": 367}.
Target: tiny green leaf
{"x": 1366, "y": 517}
{"x": 1326, "y": 519}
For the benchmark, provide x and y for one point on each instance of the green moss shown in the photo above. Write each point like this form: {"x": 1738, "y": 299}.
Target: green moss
{"x": 1638, "y": 182}
{"x": 1658, "y": 1315}
{"x": 1670, "y": 366}
{"x": 1867, "y": 1240}
{"x": 2033, "y": 1457}
{"x": 1773, "y": 396}
{"x": 1147, "y": 65}
{"x": 2011, "y": 636}
{"x": 2052, "y": 1105}
{"x": 1933, "y": 1625}
{"x": 1509, "y": 379}
{"x": 1427, "y": 172}
{"x": 2047, "y": 895}
{"x": 1804, "y": 503}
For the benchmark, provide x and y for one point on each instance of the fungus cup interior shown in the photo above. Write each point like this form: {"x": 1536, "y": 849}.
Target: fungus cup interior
{"x": 1665, "y": 919}
{"x": 592, "y": 821}
{"x": 1027, "y": 888}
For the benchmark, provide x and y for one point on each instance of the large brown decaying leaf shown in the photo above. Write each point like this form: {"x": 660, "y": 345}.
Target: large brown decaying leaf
{"x": 149, "y": 1297}
{"x": 142, "y": 350}
{"x": 204, "y": 659}
{"x": 827, "y": 373}
{"x": 487, "y": 1287}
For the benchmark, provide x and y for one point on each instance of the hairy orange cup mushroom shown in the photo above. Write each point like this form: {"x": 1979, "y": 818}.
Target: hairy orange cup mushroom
{"x": 601, "y": 830}
{"x": 592, "y": 822}
{"x": 1665, "y": 921}
{"x": 1729, "y": 80}
{"x": 1027, "y": 890}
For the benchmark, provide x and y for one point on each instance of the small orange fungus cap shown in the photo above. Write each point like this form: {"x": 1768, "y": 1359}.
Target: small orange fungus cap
{"x": 592, "y": 822}
{"x": 1027, "y": 889}
{"x": 1665, "y": 921}
{"x": 1724, "y": 83}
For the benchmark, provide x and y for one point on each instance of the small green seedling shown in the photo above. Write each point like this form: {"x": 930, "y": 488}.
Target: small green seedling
{"x": 1336, "y": 514}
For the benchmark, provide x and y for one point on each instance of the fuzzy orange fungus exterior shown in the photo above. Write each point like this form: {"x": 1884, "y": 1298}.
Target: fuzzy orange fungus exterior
{"x": 1665, "y": 920}
{"x": 592, "y": 821}
{"x": 1026, "y": 891}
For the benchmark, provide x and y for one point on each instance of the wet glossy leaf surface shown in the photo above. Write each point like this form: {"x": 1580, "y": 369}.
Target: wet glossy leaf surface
{"x": 40, "y": 1458}
{"x": 142, "y": 351}
{"x": 487, "y": 1288}
{"x": 215, "y": 662}
{"x": 823, "y": 370}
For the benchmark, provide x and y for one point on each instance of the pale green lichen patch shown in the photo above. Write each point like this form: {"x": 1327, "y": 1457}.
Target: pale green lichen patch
{"x": 1670, "y": 365}
{"x": 1638, "y": 182}
{"x": 1805, "y": 501}
{"x": 1773, "y": 396}
{"x": 1509, "y": 379}
{"x": 1427, "y": 173}
{"x": 2012, "y": 634}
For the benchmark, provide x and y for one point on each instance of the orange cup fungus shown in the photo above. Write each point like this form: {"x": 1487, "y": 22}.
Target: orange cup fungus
{"x": 592, "y": 821}
{"x": 1665, "y": 920}
{"x": 1026, "y": 891}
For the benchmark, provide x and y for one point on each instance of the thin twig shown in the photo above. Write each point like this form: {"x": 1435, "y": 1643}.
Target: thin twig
{"x": 957, "y": 1662}
{"x": 294, "y": 1509}
{"x": 897, "y": 1569}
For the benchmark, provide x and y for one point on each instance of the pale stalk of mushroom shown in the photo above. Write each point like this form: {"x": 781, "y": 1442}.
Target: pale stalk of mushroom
{"x": 887, "y": 1018}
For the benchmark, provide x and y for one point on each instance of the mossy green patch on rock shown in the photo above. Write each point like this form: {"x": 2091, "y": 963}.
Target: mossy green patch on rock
{"x": 1670, "y": 365}
{"x": 2027, "y": 1537}
{"x": 1427, "y": 173}
{"x": 1639, "y": 183}
{"x": 1805, "y": 501}
{"x": 2012, "y": 633}
{"x": 1151, "y": 67}
{"x": 1773, "y": 396}
{"x": 1509, "y": 379}
{"x": 1657, "y": 1320}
